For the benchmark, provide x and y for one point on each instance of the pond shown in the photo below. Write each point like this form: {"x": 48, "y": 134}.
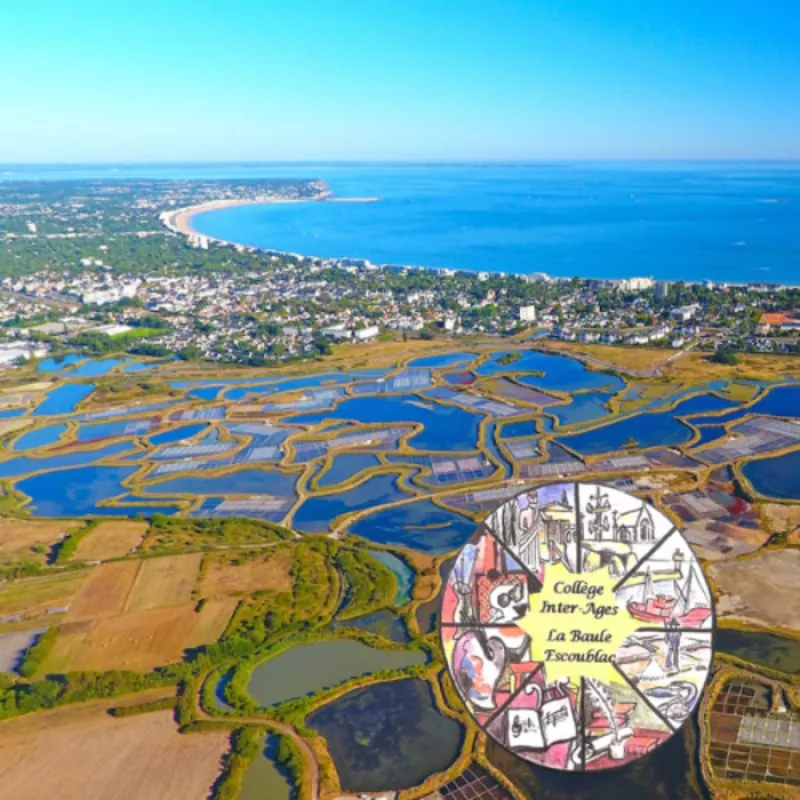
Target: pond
{"x": 662, "y": 429}
{"x": 511, "y": 430}
{"x": 345, "y": 466}
{"x": 59, "y": 364}
{"x": 64, "y": 399}
{"x": 710, "y": 433}
{"x": 176, "y": 434}
{"x": 420, "y": 525}
{"x": 446, "y": 427}
{"x": 317, "y": 513}
{"x": 442, "y": 360}
{"x": 583, "y": 408}
{"x": 244, "y": 481}
{"x": 265, "y": 779}
{"x": 382, "y": 623}
{"x": 75, "y": 492}
{"x": 307, "y": 668}
{"x": 93, "y": 369}
{"x": 428, "y": 612}
{"x": 782, "y": 401}
{"x": 560, "y": 372}
{"x": 490, "y": 444}
{"x": 760, "y": 647}
{"x": 16, "y": 467}
{"x": 777, "y": 477}
{"x": 401, "y": 571}
{"x": 41, "y": 437}
{"x": 388, "y": 736}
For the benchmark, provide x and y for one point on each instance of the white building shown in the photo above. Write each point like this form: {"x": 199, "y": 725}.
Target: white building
{"x": 636, "y": 284}
{"x": 365, "y": 334}
{"x": 527, "y": 314}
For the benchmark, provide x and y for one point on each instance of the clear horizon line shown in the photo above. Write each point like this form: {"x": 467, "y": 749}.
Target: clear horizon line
{"x": 404, "y": 161}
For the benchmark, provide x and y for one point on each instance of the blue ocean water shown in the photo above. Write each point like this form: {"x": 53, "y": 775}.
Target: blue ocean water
{"x": 718, "y": 221}
{"x": 722, "y": 221}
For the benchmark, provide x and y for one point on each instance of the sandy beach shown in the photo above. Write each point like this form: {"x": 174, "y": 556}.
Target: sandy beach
{"x": 180, "y": 220}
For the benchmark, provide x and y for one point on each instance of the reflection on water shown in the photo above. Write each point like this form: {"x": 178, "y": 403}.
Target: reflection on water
{"x": 388, "y": 736}
{"x": 308, "y": 668}
{"x": 264, "y": 779}
{"x": 777, "y": 477}
{"x": 760, "y": 647}
{"x": 401, "y": 571}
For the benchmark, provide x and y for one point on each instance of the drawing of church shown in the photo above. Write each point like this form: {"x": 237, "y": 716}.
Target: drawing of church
{"x": 606, "y": 524}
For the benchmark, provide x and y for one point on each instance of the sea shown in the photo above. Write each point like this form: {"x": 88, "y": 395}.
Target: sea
{"x": 720, "y": 221}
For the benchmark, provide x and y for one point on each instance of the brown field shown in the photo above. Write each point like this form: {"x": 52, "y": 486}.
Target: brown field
{"x": 19, "y": 536}
{"x": 212, "y": 620}
{"x": 138, "y": 641}
{"x": 106, "y": 592}
{"x": 761, "y": 589}
{"x": 166, "y": 581}
{"x": 268, "y": 572}
{"x": 780, "y": 518}
{"x": 14, "y": 424}
{"x": 33, "y": 596}
{"x": 111, "y": 539}
{"x": 82, "y": 753}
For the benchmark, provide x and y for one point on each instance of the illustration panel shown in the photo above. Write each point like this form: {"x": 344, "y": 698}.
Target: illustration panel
{"x": 617, "y": 529}
{"x": 578, "y": 654}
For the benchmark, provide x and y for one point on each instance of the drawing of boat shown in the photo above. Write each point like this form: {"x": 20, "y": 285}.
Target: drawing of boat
{"x": 687, "y": 607}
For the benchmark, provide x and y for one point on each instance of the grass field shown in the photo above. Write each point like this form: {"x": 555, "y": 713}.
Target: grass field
{"x": 212, "y": 620}
{"x": 106, "y": 592}
{"x": 636, "y": 358}
{"x": 18, "y": 537}
{"x": 138, "y": 641}
{"x": 111, "y": 539}
{"x": 697, "y": 367}
{"x": 270, "y": 571}
{"x": 33, "y": 596}
{"x": 166, "y": 581}
{"x": 82, "y": 753}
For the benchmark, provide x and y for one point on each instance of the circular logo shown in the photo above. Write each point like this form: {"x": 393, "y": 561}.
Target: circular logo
{"x": 578, "y": 626}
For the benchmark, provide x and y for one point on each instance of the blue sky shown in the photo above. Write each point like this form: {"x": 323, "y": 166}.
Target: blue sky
{"x": 392, "y": 79}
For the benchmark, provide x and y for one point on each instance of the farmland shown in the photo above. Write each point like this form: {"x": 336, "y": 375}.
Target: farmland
{"x": 81, "y": 753}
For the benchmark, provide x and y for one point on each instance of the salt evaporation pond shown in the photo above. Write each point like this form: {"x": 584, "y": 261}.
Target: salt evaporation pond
{"x": 307, "y": 668}
{"x": 777, "y": 477}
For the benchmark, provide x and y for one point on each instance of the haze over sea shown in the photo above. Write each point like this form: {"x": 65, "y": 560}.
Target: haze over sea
{"x": 721, "y": 221}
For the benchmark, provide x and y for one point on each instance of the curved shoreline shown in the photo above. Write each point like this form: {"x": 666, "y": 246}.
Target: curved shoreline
{"x": 180, "y": 220}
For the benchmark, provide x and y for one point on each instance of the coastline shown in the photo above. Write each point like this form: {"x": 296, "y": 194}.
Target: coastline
{"x": 179, "y": 221}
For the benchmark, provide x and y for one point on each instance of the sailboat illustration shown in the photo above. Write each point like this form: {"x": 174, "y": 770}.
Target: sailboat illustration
{"x": 688, "y": 607}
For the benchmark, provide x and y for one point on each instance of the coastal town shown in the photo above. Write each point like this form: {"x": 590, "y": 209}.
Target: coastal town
{"x": 100, "y": 266}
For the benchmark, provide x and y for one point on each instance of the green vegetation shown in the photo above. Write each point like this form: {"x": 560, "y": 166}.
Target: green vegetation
{"x": 509, "y": 358}
{"x": 246, "y": 745}
{"x": 370, "y": 584}
{"x": 725, "y": 355}
{"x": 36, "y": 654}
{"x": 65, "y": 549}
{"x": 171, "y": 534}
{"x": 143, "y": 708}
{"x": 22, "y": 697}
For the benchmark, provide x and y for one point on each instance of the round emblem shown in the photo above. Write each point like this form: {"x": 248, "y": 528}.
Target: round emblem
{"x": 578, "y": 626}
